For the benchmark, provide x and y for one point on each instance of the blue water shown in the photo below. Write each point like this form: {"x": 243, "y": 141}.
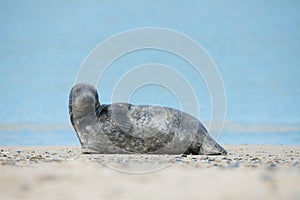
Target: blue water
{"x": 255, "y": 45}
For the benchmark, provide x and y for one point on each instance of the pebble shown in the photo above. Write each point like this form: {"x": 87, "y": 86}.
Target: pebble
{"x": 271, "y": 167}
{"x": 266, "y": 177}
{"x": 9, "y": 162}
{"x": 265, "y": 159}
{"x": 234, "y": 165}
{"x": 25, "y": 185}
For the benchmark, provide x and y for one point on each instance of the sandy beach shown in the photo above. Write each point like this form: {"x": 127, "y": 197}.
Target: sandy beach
{"x": 248, "y": 172}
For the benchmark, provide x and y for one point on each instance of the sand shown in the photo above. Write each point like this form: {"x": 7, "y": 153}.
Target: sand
{"x": 248, "y": 172}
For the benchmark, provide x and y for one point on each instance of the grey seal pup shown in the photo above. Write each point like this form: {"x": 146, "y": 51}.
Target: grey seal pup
{"x": 125, "y": 128}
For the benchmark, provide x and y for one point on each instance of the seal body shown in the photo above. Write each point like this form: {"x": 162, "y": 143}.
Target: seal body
{"x": 127, "y": 128}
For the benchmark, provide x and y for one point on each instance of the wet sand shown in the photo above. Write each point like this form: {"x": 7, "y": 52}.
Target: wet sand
{"x": 248, "y": 172}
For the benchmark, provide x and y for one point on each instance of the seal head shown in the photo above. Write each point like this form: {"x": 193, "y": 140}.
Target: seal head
{"x": 83, "y": 100}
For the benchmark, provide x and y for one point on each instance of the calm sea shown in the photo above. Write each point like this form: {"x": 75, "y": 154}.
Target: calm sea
{"x": 255, "y": 45}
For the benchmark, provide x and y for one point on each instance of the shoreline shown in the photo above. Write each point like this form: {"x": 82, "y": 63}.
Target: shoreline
{"x": 58, "y": 172}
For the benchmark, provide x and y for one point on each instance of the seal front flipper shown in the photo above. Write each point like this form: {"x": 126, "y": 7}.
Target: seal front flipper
{"x": 120, "y": 116}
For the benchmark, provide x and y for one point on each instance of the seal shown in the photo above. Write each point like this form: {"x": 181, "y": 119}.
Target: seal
{"x": 125, "y": 128}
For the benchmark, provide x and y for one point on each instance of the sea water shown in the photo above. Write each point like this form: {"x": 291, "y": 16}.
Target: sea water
{"x": 254, "y": 44}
